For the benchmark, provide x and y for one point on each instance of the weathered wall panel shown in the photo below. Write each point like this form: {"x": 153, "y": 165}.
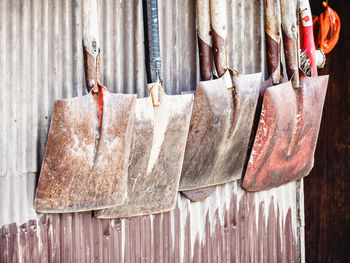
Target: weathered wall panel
{"x": 42, "y": 61}
{"x": 230, "y": 226}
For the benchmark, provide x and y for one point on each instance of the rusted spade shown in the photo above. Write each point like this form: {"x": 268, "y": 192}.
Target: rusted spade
{"x": 206, "y": 73}
{"x": 222, "y": 118}
{"x": 153, "y": 188}
{"x": 290, "y": 118}
{"x": 86, "y": 158}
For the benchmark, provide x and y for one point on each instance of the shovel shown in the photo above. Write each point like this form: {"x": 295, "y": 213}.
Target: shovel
{"x": 222, "y": 117}
{"x": 86, "y": 158}
{"x": 206, "y": 73}
{"x": 286, "y": 137}
{"x": 154, "y": 189}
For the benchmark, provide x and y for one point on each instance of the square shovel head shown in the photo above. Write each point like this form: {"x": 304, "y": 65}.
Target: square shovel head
{"x": 153, "y": 187}
{"x": 84, "y": 168}
{"x": 286, "y": 137}
{"x": 219, "y": 133}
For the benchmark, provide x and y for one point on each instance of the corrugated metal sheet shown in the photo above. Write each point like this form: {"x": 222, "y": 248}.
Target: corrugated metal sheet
{"x": 230, "y": 226}
{"x": 41, "y": 60}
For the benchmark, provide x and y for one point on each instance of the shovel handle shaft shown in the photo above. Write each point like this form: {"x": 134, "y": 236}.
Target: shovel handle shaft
{"x": 91, "y": 43}
{"x": 204, "y": 39}
{"x": 308, "y": 33}
{"x": 90, "y": 26}
{"x": 218, "y": 19}
{"x": 153, "y": 40}
{"x": 273, "y": 39}
{"x": 290, "y": 40}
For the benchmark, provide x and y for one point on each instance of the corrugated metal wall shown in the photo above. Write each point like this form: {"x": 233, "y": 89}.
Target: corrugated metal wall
{"x": 41, "y": 60}
{"x": 230, "y": 226}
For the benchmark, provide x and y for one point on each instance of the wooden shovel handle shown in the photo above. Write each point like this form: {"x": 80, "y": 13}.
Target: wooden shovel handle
{"x": 218, "y": 20}
{"x": 273, "y": 39}
{"x": 290, "y": 40}
{"x": 204, "y": 39}
{"x": 91, "y": 44}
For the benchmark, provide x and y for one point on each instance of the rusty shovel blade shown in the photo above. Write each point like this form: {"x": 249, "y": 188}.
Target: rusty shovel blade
{"x": 85, "y": 167}
{"x": 153, "y": 189}
{"x": 219, "y": 132}
{"x": 286, "y": 137}
{"x": 140, "y": 152}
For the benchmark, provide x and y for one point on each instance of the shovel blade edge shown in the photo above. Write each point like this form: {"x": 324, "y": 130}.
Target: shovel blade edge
{"x": 287, "y": 133}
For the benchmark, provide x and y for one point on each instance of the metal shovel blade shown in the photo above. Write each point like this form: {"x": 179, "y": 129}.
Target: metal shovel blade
{"x": 287, "y": 133}
{"x": 142, "y": 141}
{"x": 84, "y": 169}
{"x": 154, "y": 188}
{"x": 219, "y": 133}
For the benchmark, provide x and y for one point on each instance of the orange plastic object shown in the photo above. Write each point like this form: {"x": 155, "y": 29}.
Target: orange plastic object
{"x": 328, "y": 25}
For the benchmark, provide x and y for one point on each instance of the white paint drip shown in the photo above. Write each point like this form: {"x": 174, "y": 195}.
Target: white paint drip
{"x": 122, "y": 223}
{"x": 183, "y": 207}
{"x": 284, "y": 198}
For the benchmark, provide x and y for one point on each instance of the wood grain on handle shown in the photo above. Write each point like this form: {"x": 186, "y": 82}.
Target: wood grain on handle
{"x": 90, "y": 26}
{"x": 91, "y": 43}
{"x": 290, "y": 38}
{"x": 204, "y": 39}
{"x": 273, "y": 39}
{"x": 218, "y": 19}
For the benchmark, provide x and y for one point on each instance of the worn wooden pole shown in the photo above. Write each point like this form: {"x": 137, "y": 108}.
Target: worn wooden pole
{"x": 290, "y": 40}
{"x": 204, "y": 39}
{"x": 91, "y": 44}
{"x": 218, "y": 20}
{"x": 273, "y": 39}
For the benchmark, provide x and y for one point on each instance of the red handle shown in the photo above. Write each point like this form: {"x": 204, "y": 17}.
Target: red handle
{"x": 308, "y": 34}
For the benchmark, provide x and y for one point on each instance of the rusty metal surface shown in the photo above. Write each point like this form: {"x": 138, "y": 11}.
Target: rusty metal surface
{"x": 219, "y": 131}
{"x": 154, "y": 189}
{"x": 199, "y": 194}
{"x": 286, "y": 138}
{"x": 241, "y": 227}
{"x": 86, "y": 167}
